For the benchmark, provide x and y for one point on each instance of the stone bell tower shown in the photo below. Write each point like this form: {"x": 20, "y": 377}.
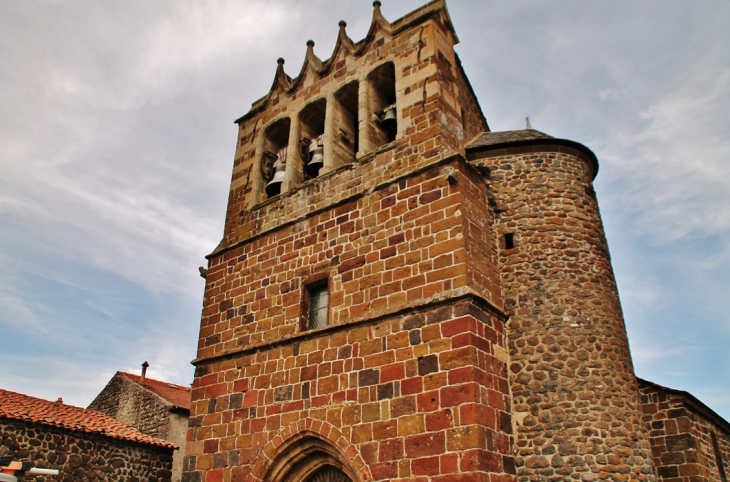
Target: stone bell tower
{"x": 354, "y": 327}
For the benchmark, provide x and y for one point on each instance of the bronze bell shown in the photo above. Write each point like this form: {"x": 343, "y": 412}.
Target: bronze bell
{"x": 390, "y": 120}
{"x": 274, "y": 186}
{"x": 316, "y": 156}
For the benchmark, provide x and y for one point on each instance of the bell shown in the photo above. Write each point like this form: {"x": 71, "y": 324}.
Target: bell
{"x": 390, "y": 120}
{"x": 316, "y": 157}
{"x": 274, "y": 186}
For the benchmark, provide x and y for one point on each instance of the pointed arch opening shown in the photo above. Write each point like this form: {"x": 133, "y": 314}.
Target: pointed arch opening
{"x": 346, "y": 141}
{"x": 310, "y": 459}
{"x": 311, "y": 128}
{"x": 274, "y": 156}
{"x": 382, "y": 100}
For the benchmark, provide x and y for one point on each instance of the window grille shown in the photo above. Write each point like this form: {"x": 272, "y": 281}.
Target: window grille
{"x": 318, "y": 301}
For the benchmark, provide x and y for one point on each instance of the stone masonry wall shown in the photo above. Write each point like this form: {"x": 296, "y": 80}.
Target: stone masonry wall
{"x": 177, "y": 429}
{"x": 472, "y": 118}
{"x": 418, "y": 396}
{"x": 124, "y": 400}
{"x": 681, "y": 438}
{"x": 414, "y": 240}
{"x": 83, "y": 457}
{"x": 576, "y": 406}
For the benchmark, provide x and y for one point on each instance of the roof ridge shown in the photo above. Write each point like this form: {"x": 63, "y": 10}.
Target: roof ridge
{"x": 695, "y": 402}
{"x": 179, "y": 396}
{"x": 148, "y": 379}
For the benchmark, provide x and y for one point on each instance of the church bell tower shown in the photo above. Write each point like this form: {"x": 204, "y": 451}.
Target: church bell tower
{"x": 401, "y": 294}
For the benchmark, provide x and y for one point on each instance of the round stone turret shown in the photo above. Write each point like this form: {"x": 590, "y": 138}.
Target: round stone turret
{"x": 576, "y": 407}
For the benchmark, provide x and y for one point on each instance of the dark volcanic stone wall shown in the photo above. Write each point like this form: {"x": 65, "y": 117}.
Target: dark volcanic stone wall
{"x": 124, "y": 400}
{"x": 682, "y": 438}
{"x": 83, "y": 457}
{"x": 576, "y": 406}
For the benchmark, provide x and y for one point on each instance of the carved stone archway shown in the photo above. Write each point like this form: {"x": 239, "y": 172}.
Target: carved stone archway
{"x": 304, "y": 448}
{"x": 310, "y": 459}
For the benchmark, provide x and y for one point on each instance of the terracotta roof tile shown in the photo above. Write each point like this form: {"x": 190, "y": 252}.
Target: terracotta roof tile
{"x": 494, "y": 138}
{"x": 16, "y": 406}
{"x": 177, "y": 395}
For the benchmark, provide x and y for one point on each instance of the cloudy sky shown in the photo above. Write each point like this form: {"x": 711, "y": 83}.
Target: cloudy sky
{"x": 117, "y": 140}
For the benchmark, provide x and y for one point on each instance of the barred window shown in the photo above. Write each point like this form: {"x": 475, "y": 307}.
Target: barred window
{"x": 318, "y": 303}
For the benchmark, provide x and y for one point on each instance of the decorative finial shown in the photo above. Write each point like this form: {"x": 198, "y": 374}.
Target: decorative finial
{"x": 281, "y": 80}
{"x": 344, "y": 39}
{"x": 527, "y": 123}
{"x": 379, "y": 19}
{"x": 312, "y": 59}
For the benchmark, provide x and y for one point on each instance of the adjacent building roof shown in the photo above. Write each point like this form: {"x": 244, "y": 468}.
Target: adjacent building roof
{"x": 177, "y": 395}
{"x": 691, "y": 402}
{"x": 16, "y": 406}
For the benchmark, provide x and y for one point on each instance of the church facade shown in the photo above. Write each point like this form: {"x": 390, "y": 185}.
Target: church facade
{"x": 402, "y": 294}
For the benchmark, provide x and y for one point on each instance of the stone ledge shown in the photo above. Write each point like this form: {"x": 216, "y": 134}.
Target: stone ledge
{"x": 378, "y": 187}
{"x": 454, "y": 296}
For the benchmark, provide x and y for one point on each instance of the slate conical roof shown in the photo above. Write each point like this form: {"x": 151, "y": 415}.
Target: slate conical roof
{"x": 486, "y": 139}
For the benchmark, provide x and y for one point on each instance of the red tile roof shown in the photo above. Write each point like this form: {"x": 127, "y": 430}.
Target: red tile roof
{"x": 16, "y": 406}
{"x": 177, "y": 395}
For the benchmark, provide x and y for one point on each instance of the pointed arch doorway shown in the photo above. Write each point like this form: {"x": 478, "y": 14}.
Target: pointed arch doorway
{"x": 309, "y": 459}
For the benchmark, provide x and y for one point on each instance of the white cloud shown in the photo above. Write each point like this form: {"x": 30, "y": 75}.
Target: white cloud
{"x": 670, "y": 166}
{"x": 609, "y": 94}
{"x": 74, "y": 380}
{"x": 16, "y": 311}
{"x": 645, "y": 357}
{"x": 644, "y": 296}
